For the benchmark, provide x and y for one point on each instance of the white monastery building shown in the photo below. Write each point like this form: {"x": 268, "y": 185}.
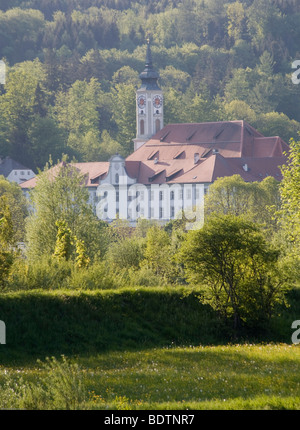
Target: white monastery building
{"x": 172, "y": 166}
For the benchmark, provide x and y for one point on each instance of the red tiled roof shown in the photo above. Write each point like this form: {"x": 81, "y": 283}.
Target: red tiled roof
{"x": 186, "y": 153}
{"x": 203, "y": 152}
{"x": 93, "y": 171}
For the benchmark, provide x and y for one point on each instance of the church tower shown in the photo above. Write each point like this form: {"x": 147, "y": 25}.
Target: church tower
{"x": 149, "y": 104}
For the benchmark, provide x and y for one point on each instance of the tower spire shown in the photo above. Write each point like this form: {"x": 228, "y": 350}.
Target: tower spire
{"x": 149, "y": 76}
{"x": 149, "y": 55}
{"x": 149, "y": 103}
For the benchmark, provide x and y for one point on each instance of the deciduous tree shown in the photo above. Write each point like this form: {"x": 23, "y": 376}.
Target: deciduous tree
{"x": 60, "y": 194}
{"x": 235, "y": 265}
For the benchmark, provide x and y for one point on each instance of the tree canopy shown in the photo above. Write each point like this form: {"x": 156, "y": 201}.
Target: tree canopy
{"x": 60, "y": 199}
{"x": 230, "y": 257}
{"x": 72, "y": 70}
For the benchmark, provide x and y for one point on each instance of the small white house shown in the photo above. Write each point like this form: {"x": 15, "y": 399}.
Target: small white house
{"x": 14, "y": 171}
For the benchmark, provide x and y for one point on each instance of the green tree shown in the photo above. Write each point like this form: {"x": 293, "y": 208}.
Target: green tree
{"x": 255, "y": 201}
{"x": 198, "y": 108}
{"x": 46, "y": 139}
{"x": 108, "y": 147}
{"x": 126, "y": 253}
{"x": 124, "y": 115}
{"x": 21, "y": 30}
{"x": 6, "y": 240}
{"x": 236, "y": 20}
{"x": 82, "y": 259}
{"x": 263, "y": 22}
{"x": 238, "y": 110}
{"x": 157, "y": 251}
{"x": 277, "y": 124}
{"x": 239, "y": 86}
{"x": 16, "y": 108}
{"x": 64, "y": 241}
{"x": 290, "y": 192}
{"x": 235, "y": 265}
{"x": 170, "y": 77}
{"x": 17, "y": 205}
{"x": 173, "y": 100}
{"x": 29, "y": 134}
{"x": 60, "y": 194}
{"x": 76, "y": 111}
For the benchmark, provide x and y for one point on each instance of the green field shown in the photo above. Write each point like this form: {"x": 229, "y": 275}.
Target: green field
{"x": 144, "y": 348}
{"x": 203, "y": 377}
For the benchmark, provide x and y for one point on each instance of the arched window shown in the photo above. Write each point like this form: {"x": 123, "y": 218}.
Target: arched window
{"x": 117, "y": 178}
{"x": 142, "y": 127}
{"x": 157, "y": 125}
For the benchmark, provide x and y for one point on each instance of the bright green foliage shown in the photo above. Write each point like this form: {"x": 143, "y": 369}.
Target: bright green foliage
{"x": 62, "y": 388}
{"x": 290, "y": 211}
{"x": 255, "y": 201}
{"x": 237, "y": 268}
{"x": 6, "y": 230}
{"x": 6, "y": 240}
{"x": 64, "y": 384}
{"x": 77, "y": 112}
{"x": 17, "y": 205}
{"x": 82, "y": 260}
{"x": 60, "y": 195}
{"x": 64, "y": 241}
{"x": 123, "y": 97}
{"x": 156, "y": 253}
{"x": 236, "y": 20}
{"x": 290, "y": 190}
{"x": 125, "y": 253}
{"x": 225, "y": 377}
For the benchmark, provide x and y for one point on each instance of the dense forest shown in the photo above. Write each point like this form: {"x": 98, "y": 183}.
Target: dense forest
{"x": 73, "y": 68}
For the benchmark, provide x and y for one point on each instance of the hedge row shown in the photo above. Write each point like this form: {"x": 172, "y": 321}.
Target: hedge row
{"x": 44, "y": 323}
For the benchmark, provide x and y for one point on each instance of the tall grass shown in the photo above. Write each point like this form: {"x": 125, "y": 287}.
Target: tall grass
{"x": 58, "y": 384}
{"x": 204, "y": 377}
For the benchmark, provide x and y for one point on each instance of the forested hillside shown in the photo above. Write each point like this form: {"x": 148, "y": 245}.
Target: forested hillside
{"x": 73, "y": 65}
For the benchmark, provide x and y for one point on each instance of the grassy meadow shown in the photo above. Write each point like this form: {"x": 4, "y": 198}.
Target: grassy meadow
{"x": 142, "y": 348}
{"x": 196, "y": 378}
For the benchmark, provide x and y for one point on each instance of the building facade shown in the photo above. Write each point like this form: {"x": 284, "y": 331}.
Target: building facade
{"x": 14, "y": 171}
{"x": 172, "y": 166}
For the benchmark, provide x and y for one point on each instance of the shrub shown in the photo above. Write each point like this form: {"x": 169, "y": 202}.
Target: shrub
{"x": 63, "y": 387}
{"x": 125, "y": 253}
{"x": 238, "y": 267}
{"x": 96, "y": 276}
{"x": 45, "y": 273}
{"x": 145, "y": 277}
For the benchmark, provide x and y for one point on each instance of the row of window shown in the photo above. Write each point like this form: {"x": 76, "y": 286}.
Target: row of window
{"x": 142, "y": 126}
{"x": 141, "y": 195}
{"x": 22, "y": 173}
{"x": 161, "y": 212}
{"x": 141, "y": 212}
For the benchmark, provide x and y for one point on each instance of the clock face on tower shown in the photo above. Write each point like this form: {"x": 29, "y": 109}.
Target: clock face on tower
{"x": 141, "y": 102}
{"x": 157, "y": 101}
